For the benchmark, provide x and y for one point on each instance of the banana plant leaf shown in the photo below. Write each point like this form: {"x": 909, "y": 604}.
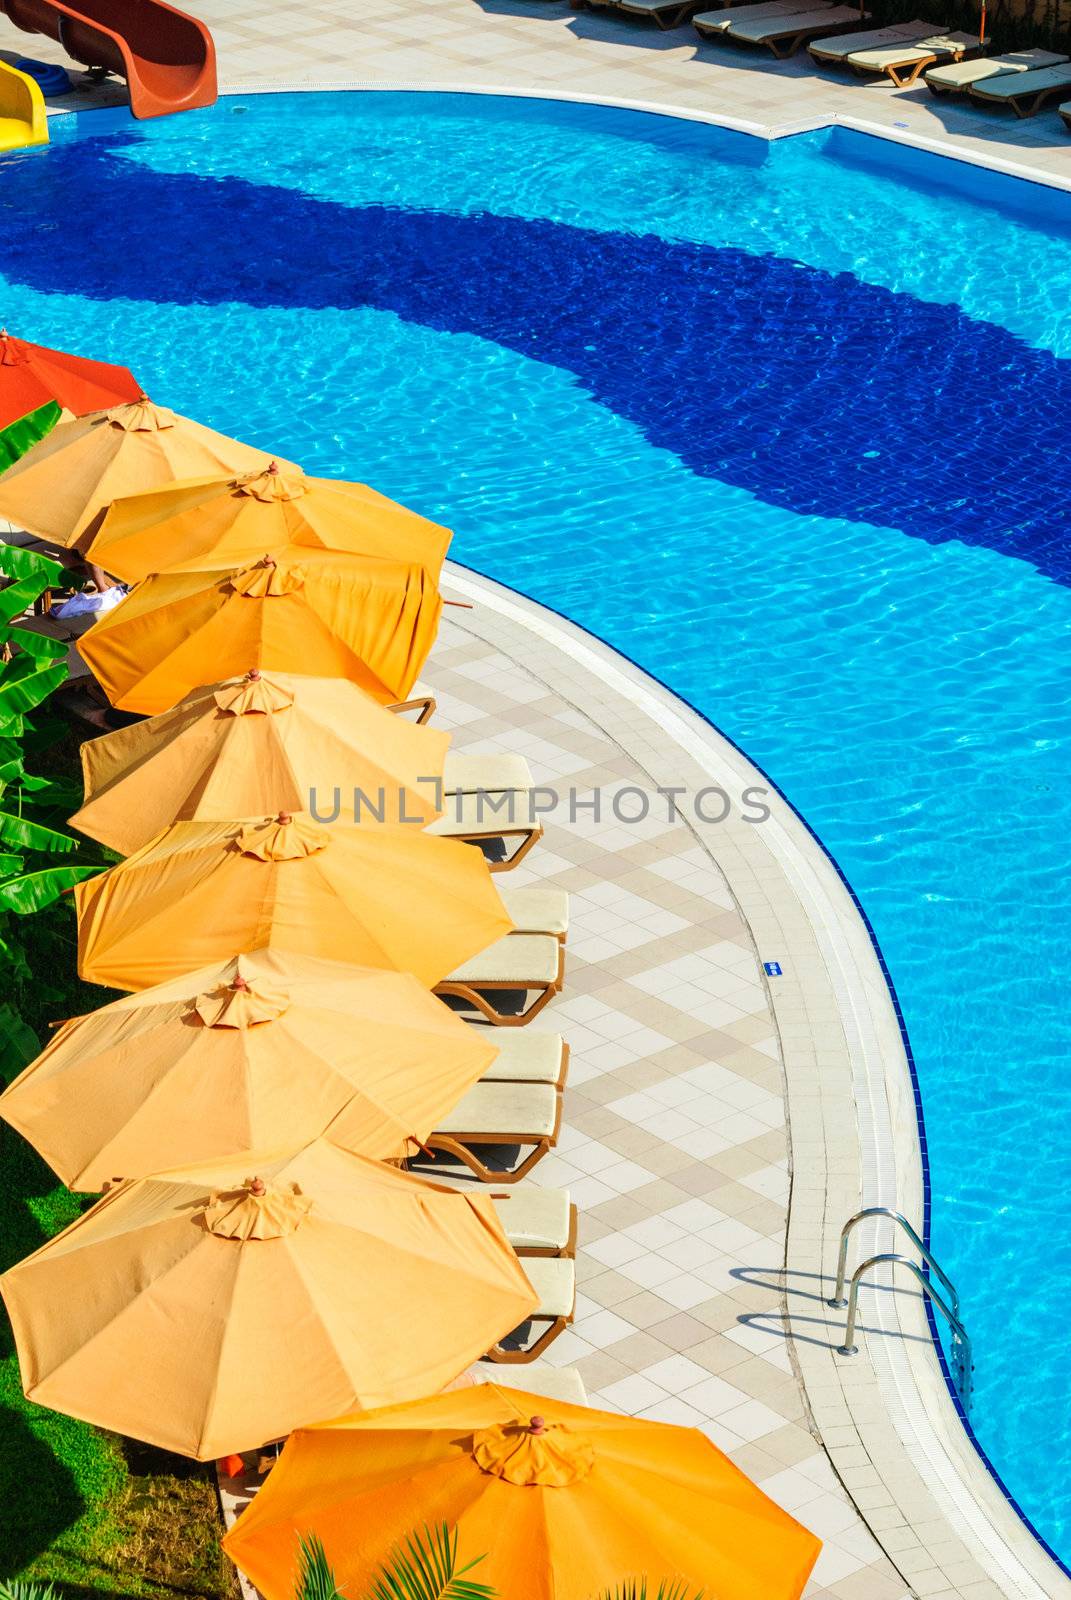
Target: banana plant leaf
{"x": 41, "y": 646}
{"x": 18, "y": 1045}
{"x": 27, "y": 835}
{"x": 18, "y": 562}
{"x": 21, "y": 690}
{"x": 18, "y": 436}
{"x": 20, "y": 594}
{"x": 31, "y": 891}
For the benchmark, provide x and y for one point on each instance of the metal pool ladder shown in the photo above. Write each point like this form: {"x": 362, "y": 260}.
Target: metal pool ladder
{"x": 962, "y": 1364}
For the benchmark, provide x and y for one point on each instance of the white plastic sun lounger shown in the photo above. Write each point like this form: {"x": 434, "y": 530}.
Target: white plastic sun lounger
{"x": 1025, "y": 92}
{"x": 529, "y": 1057}
{"x": 529, "y": 964}
{"x": 553, "y": 1383}
{"x": 709, "y": 23}
{"x": 840, "y": 46}
{"x": 903, "y": 63}
{"x": 555, "y": 1284}
{"x": 523, "y": 1115}
{"x": 783, "y": 36}
{"x": 465, "y": 773}
{"x": 538, "y": 1222}
{"x": 956, "y": 77}
{"x": 535, "y": 909}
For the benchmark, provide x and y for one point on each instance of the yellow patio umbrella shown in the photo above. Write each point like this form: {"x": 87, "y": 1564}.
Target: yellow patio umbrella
{"x": 214, "y": 1307}
{"x": 223, "y": 522}
{"x": 561, "y": 1501}
{"x": 392, "y": 898}
{"x": 61, "y": 488}
{"x": 267, "y": 742}
{"x": 332, "y": 616}
{"x": 262, "y": 1051}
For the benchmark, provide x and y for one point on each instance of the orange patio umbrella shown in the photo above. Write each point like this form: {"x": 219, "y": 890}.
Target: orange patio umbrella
{"x": 223, "y": 522}
{"x": 261, "y": 1052}
{"x": 393, "y": 898}
{"x": 61, "y": 488}
{"x": 214, "y": 1307}
{"x": 38, "y": 384}
{"x": 329, "y": 615}
{"x": 562, "y": 1502}
{"x": 264, "y": 743}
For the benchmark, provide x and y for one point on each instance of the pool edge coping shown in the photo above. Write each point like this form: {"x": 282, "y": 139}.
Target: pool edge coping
{"x": 904, "y": 1361}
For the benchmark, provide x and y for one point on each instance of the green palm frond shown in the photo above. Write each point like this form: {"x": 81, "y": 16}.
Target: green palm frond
{"x": 636, "y": 1589}
{"x": 17, "y": 1590}
{"x": 316, "y": 1581}
{"x": 426, "y": 1569}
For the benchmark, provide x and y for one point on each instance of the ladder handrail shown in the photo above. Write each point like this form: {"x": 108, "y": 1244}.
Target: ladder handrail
{"x": 838, "y": 1301}
{"x": 959, "y": 1332}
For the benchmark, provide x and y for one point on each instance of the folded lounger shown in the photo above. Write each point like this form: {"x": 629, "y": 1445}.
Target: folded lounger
{"x": 667, "y": 13}
{"x": 534, "y": 909}
{"x": 903, "y": 62}
{"x": 1025, "y": 92}
{"x": 553, "y": 1383}
{"x": 710, "y": 23}
{"x": 538, "y": 1222}
{"x": 783, "y": 35}
{"x": 555, "y": 1284}
{"x": 529, "y": 1057}
{"x": 840, "y": 46}
{"x": 523, "y": 1115}
{"x": 525, "y": 964}
{"x": 956, "y": 77}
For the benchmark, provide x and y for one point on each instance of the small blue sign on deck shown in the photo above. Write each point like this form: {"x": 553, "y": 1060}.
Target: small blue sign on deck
{"x": 772, "y": 969}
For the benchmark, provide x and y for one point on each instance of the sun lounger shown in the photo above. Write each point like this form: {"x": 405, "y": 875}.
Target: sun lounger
{"x": 553, "y": 1383}
{"x": 710, "y": 23}
{"x": 521, "y": 964}
{"x": 535, "y": 909}
{"x": 555, "y": 1284}
{"x": 498, "y": 824}
{"x": 838, "y": 47}
{"x": 956, "y": 77}
{"x": 903, "y": 62}
{"x": 494, "y": 774}
{"x": 783, "y": 35}
{"x": 530, "y": 1057}
{"x": 1025, "y": 92}
{"x": 500, "y": 1115}
{"x": 538, "y": 1222}
{"x": 667, "y": 13}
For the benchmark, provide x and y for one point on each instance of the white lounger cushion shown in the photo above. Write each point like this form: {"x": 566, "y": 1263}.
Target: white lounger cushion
{"x": 842, "y": 45}
{"x": 1009, "y": 85}
{"x": 526, "y": 960}
{"x": 554, "y": 1281}
{"x": 720, "y": 21}
{"x": 525, "y": 1056}
{"x": 758, "y": 32}
{"x": 473, "y": 813}
{"x": 535, "y": 1218}
{"x": 903, "y": 55}
{"x": 534, "y": 909}
{"x": 494, "y": 773}
{"x": 958, "y": 74}
{"x": 502, "y": 1108}
{"x": 551, "y": 1383}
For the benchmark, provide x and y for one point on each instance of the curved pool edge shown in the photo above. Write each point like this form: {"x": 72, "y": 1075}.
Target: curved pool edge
{"x": 887, "y": 1418}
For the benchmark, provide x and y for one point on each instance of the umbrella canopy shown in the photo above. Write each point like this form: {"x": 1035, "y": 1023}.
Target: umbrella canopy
{"x": 62, "y": 487}
{"x": 38, "y": 384}
{"x": 261, "y": 1052}
{"x": 223, "y": 522}
{"x": 332, "y": 616}
{"x": 263, "y": 743}
{"x": 214, "y": 1307}
{"x": 391, "y": 898}
{"x": 562, "y": 1501}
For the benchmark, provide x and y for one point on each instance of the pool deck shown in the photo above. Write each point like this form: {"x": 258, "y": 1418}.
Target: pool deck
{"x": 721, "y": 1124}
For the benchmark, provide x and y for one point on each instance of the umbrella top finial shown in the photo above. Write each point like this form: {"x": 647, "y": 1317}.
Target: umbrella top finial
{"x": 253, "y": 675}
{"x": 257, "y": 1186}
{"x": 284, "y": 818}
{"x": 537, "y": 1425}
{"x": 240, "y": 983}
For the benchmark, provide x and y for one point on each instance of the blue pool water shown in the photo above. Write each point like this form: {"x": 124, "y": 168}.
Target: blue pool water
{"x": 786, "y": 424}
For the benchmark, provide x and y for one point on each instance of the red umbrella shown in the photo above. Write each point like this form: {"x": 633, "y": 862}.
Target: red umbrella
{"x": 36, "y": 383}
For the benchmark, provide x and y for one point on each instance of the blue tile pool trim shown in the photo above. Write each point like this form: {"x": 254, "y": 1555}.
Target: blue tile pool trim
{"x": 901, "y": 1024}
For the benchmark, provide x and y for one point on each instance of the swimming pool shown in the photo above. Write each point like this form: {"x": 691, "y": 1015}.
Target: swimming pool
{"x": 786, "y": 424}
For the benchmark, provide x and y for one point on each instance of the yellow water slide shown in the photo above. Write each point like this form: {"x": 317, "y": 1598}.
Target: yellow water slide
{"x": 22, "y": 110}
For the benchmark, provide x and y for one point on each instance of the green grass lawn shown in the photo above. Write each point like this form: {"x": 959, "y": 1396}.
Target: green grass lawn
{"x": 97, "y": 1514}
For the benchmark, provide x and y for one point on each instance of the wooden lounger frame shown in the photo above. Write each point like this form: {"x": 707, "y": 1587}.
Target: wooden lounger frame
{"x": 529, "y": 835}
{"x": 459, "y": 1145}
{"x": 478, "y": 1001}
{"x": 424, "y": 704}
{"x": 555, "y": 1326}
{"x": 905, "y": 73}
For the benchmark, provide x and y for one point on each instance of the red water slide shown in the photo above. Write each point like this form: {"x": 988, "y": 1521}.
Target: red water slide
{"x": 167, "y": 58}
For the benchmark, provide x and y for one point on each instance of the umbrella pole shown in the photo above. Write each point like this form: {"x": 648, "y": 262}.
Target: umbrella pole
{"x": 981, "y": 25}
